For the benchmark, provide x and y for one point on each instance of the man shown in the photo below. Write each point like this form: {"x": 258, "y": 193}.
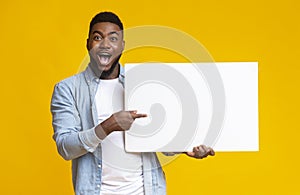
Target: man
{"x": 89, "y": 122}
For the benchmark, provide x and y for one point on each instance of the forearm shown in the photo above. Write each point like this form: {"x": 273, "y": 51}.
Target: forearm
{"x": 103, "y": 130}
{"x": 75, "y": 144}
{"x": 106, "y": 127}
{"x": 72, "y": 145}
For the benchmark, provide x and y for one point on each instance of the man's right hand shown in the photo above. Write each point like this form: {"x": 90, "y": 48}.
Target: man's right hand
{"x": 119, "y": 121}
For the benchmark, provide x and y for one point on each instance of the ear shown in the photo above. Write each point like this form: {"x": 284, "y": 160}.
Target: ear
{"x": 87, "y": 44}
{"x": 123, "y": 45}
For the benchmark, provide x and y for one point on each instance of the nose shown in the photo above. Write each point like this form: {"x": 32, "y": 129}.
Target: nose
{"x": 104, "y": 44}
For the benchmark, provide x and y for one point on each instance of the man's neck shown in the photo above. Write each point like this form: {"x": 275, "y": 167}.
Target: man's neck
{"x": 111, "y": 75}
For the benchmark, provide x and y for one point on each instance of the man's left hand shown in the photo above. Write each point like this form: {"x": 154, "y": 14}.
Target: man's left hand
{"x": 201, "y": 151}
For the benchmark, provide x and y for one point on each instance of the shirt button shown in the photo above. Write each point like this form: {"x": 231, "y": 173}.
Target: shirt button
{"x": 99, "y": 166}
{"x": 98, "y": 186}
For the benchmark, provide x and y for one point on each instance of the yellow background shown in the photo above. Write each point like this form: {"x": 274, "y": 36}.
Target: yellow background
{"x": 42, "y": 42}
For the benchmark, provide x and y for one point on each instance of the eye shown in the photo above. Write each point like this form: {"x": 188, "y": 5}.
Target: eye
{"x": 113, "y": 39}
{"x": 97, "y": 38}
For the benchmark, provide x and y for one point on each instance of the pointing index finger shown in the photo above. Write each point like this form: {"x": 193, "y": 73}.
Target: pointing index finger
{"x": 135, "y": 115}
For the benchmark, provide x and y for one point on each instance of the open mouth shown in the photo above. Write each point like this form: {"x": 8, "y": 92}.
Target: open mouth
{"x": 104, "y": 58}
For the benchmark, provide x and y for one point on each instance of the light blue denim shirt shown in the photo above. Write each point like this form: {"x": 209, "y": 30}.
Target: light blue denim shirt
{"x": 74, "y": 119}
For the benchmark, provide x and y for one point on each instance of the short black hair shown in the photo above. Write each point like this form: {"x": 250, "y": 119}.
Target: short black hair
{"x": 105, "y": 17}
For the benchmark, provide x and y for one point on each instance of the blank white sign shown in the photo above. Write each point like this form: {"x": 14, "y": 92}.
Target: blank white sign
{"x": 189, "y": 104}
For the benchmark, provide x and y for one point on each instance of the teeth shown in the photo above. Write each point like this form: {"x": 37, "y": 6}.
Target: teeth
{"x": 104, "y": 54}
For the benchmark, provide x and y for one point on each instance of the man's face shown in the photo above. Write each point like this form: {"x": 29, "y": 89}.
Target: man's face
{"x": 105, "y": 44}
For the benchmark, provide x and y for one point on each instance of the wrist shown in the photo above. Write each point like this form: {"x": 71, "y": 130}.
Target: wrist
{"x": 106, "y": 127}
{"x": 103, "y": 129}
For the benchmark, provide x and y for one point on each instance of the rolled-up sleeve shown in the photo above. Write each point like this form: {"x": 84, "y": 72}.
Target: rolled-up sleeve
{"x": 71, "y": 140}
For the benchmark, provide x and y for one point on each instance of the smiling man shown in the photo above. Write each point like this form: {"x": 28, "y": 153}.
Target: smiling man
{"x": 89, "y": 122}
{"x": 105, "y": 45}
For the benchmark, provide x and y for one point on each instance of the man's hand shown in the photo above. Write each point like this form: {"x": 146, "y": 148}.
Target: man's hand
{"x": 201, "y": 151}
{"x": 119, "y": 121}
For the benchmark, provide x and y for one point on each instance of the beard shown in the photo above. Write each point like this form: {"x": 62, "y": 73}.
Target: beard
{"x": 107, "y": 73}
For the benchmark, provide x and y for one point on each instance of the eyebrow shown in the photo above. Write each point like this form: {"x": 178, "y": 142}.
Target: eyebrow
{"x": 110, "y": 33}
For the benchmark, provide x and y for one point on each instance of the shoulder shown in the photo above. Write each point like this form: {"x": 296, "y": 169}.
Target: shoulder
{"x": 70, "y": 82}
{"x": 68, "y": 86}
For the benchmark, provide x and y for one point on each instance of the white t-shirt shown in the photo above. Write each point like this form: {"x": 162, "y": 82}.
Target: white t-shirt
{"x": 121, "y": 171}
